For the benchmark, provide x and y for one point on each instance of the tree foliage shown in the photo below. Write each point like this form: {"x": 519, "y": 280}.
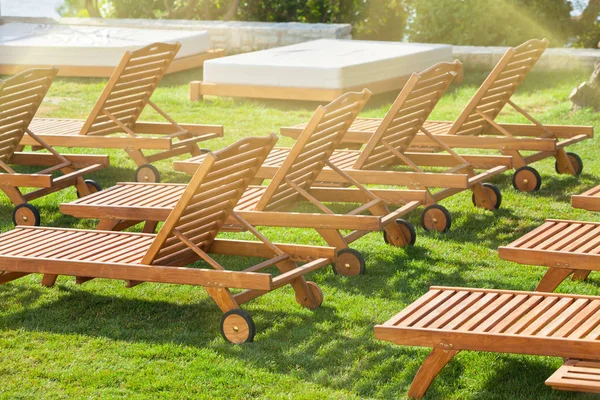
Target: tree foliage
{"x": 460, "y": 22}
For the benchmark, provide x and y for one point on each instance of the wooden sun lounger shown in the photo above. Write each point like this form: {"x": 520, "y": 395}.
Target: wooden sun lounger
{"x": 588, "y": 200}
{"x": 387, "y": 149}
{"x": 20, "y": 97}
{"x": 453, "y": 319}
{"x": 565, "y": 247}
{"x": 127, "y": 204}
{"x": 113, "y": 122}
{"x": 476, "y": 126}
{"x": 188, "y": 235}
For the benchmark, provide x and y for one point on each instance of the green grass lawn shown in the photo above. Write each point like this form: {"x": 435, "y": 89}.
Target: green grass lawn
{"x": 101, "y": 340}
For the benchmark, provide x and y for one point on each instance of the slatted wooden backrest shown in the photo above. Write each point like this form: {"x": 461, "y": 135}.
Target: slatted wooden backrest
{"x": 407, "y": 115}
{"x": 498, "y": 87}
{"x": 20, "y": 98}
{"x": 130, "y": 87}
{"x": 321, "y": 136}
{"x": 209, "y": 199}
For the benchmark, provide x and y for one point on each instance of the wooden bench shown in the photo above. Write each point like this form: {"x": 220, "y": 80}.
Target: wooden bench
{"x": 453, "y": 319}
{"x": 386, "y": 151}
{"x": 476, "y": 126}
{"x": 188, "y": 235}
{"x": 20, "y": 98}
{"x": 113, "y": 122}
{"x": 274, "y": 205}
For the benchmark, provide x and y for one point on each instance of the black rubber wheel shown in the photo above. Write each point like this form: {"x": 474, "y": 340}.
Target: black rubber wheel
{"x": 26, "y": 215}
{"x": 92, "y": 185}
{"x": 436, "y": 218}
{"x": 576, "y": 161}
{"x": 147, "y": 173}
{"x": 407, "y": 229}
{"x": 237, "y": 326}
{"x": 527, "y": 179}
{"x": 495, "y": 194}
{"x": 349, "y": 262}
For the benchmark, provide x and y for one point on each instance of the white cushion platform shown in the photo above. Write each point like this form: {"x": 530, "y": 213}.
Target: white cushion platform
{"x": 81, "y": 49}
{"x": 326, "y": 65}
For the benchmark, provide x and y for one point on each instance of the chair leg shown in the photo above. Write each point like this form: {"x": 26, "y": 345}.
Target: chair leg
{"x": 580, "y": 275}
{"x": 553, "y": 278}
{"x": 563, "y": 159}
{"x": 394, "y": 234}
{"x": 150, "y": 226}
{"x": 333, "y": 238}
{"x": 223, "y": 298}
{"x": 49, "y": 280}
{"x": 431, "y": 367}
{"x": 304, "y": 296}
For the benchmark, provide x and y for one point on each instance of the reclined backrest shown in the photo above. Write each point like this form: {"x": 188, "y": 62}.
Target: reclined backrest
{"x": 498, "y": 87}
{"x": 129, "y": 88}
{"x": 407, "y": 115}
{"x": 209, "y": 199}
{"x": 321, "y": 136}
{"x": 20, "y": 98}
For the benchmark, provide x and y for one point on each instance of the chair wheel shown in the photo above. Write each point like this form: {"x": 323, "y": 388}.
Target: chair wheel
{"x": 147, "y": 173}
{"x": 527, "y": 179}
{"x": 407, "y": 230}
{"x": 317, "y": 294}
{"x": 26, "y": 215}
{"x": 349, "y": 262}
{"x": 436, "y": 218}
{"x": 495, "y": 196}
{"x": 237, "y": 326}
{"x": 92, "y": 186}
{"x": 576, "y": 162}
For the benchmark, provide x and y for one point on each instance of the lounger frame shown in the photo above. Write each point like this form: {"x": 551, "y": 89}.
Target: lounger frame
{"x": 453, "y": 319}
{"x": 20, "y": 98}
{"x": 113, "y": 122}
{"x": 188, "y": 235}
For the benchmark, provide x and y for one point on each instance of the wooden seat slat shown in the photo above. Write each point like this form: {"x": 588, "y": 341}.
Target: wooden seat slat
{"x": 575, "y": 321}
{"x": 501, "y": 313}
{"x": 456, "y": 310}
{"x": 456, "y": 323}
{"x": 488, "y": 311}
{"x": 438, "y": 312}
{"x": 562, "y": 318}
{"x": 586, "y": 327}
{"x": 48, "y": 239}
{"x": 532, "y": 315}
{"x": 542, "y": 320}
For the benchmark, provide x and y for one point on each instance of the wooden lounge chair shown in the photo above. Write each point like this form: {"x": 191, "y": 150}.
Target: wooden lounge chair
{"x": 387, "y": 148}
{"x": 188, "y": 235}
{"x": 130, "y": 203}
{"x": 565, "y": 247}
{"x": 588, "y": 200}
{"x": 20, "y": 97}
{"x": 453, "y": 319}
{"x": 113, "y": 122}
{"x": 476, "y": 126}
